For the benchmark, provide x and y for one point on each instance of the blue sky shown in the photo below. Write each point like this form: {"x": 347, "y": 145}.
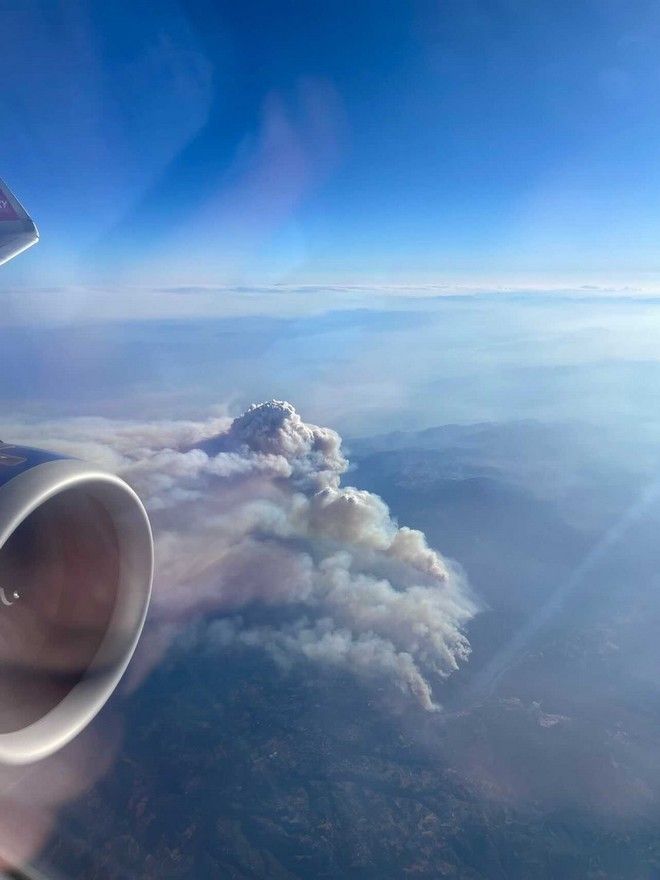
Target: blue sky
{"x": 386, "y": 141}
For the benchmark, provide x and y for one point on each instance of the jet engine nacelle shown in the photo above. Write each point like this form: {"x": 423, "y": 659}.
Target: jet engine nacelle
{"x": 76, "y": 565}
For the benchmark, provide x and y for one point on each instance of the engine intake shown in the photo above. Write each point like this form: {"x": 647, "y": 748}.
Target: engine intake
{"x": 76, "y": 565}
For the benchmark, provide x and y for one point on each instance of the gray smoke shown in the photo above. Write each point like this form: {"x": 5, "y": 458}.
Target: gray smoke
{"x": 251, "y": 513}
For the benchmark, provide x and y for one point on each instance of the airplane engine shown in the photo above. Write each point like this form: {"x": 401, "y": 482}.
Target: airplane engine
{"x": 76, "y": 565}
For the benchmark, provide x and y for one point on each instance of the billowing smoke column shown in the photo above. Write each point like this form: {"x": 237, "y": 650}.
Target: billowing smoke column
{"x": 251, "y": 514}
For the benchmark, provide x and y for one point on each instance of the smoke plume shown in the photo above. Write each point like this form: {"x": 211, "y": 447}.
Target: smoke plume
{"x": 251, "y": 514}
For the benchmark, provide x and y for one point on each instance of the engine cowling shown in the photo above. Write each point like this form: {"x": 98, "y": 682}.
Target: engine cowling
{"x": 76, "y": 566}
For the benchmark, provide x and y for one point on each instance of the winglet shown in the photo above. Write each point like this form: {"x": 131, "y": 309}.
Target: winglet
{"x": 17, "y": 229}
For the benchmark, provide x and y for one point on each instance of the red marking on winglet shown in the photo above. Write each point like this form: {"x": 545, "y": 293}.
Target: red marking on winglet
{"x": 6, "y": 210}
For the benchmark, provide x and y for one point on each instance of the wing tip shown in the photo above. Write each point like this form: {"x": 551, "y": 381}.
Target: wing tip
{"x": 18, "y": 231}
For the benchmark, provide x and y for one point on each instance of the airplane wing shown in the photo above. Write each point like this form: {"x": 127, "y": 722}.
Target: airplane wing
{"x": 17, "y": 230}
